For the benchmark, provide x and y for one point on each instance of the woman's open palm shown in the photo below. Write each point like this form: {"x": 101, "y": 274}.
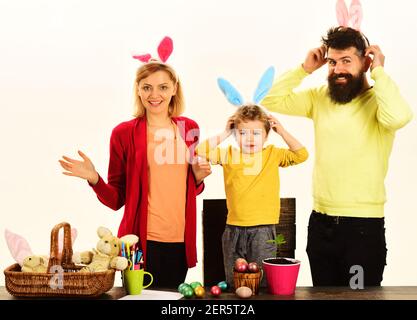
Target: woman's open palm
{"x": 83, "y": 169}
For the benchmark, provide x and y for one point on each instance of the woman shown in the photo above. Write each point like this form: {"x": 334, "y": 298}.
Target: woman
{"x": 153, "y": 173}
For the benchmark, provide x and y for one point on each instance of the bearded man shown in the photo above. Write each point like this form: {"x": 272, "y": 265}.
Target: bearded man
{"x": 354, "y": 126}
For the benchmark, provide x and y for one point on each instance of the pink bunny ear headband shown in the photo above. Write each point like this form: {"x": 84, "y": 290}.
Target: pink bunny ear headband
{"x": 351, "y": 18}
{"x": 165, "y": 49}
{"x": 20, "y": 248}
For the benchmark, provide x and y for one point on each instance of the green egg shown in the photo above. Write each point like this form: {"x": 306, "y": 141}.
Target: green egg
{"x": 188, "y": 292}
{"x": 195, "y": 284}
{"x": 182, "y": 286}
{"x": 187, "y": 287}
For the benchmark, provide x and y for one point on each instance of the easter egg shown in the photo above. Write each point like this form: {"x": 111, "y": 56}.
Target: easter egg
{"x": 188, "y": 292}
{"x": 215, "y": 291}
{"x": 223, "y": 285}
{"x": 199, "y": 292}
{"x": 195, "y": 284}
{"x": 182, "y": 286}
{"x": 241, "y": 265}
{"x": 186, "y": 287}
{"x": 243, "y": 292}
{"x": 253, "y": 267}
{"x": 241, "y": 260}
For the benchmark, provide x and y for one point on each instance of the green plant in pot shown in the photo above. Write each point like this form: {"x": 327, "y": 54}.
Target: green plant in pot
{"x": 278, "y": 242}
{"x": 281, "y": 272}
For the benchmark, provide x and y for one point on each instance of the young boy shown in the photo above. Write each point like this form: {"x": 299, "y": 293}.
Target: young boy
{"x": 251, "y": 182}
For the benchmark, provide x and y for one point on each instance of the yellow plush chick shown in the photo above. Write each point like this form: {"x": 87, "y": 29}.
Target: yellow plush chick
{"x": 105, "y": 256}
{"x": 35, "y": 264}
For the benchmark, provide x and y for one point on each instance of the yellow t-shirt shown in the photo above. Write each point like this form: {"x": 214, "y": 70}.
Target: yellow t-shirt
{"x": 252, "y": 181}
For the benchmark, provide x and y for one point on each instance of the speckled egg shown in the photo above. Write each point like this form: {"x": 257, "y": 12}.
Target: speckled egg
{"x": 243, "y": 292}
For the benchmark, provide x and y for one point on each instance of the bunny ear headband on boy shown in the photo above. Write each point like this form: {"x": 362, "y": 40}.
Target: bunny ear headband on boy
{"x": 349, "y": 18}
{"x": 165, "y": 49}
{"x": 235, "y": 98}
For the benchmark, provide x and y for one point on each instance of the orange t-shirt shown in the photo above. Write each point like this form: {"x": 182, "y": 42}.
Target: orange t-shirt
{"x": 167, "y": 170}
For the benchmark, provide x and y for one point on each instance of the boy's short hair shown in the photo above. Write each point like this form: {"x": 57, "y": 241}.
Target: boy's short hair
{"x": 251, "y": 112}
{"x": 341, "y": 38}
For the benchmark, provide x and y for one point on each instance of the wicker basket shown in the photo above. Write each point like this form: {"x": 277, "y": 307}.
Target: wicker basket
{"x": 70, "y": 283}
{"x": 250, "y": 280}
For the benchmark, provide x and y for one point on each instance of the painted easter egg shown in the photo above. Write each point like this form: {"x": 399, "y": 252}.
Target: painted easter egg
{"x": 243, "y": 292}
{"x": 199, "y": 292}
{"x": 241, "y": 265}
{"x": 195, "y": 284}
{"x": 187, "y": 292}
{"x": 253, "y": 267}
{"x": 182, "y": 286}
{"x": 215, "y": 291}
{"x": 223, "y": 285}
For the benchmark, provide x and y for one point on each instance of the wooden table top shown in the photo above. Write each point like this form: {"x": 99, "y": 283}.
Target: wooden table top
{"x": 301, "y": 293}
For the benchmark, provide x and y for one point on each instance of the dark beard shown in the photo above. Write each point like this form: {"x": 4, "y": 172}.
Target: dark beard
{"x": 345, "y": 93}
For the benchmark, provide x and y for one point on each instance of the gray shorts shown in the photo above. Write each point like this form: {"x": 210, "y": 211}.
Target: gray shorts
{"x": 248, "y": 243}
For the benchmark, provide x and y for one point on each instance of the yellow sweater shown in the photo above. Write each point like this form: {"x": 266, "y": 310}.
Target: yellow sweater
{"x": 252, "y": 181}
{"x": 353, "y": 142}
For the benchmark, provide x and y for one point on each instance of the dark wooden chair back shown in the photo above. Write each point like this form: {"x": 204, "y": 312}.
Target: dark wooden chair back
{"x": 214, "y": 221}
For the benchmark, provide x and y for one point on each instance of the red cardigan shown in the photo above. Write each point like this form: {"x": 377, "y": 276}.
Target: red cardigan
{"x": 128, "y": 181}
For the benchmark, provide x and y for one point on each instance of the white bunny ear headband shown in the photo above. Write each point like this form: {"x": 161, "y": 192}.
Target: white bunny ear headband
{"x": 235, "y": 98}
{"x": 165, "y": 49}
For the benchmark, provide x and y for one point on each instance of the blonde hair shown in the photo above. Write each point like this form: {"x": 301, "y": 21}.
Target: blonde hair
{"x": 251, "y": 112}
{"x": 176, "y": 105}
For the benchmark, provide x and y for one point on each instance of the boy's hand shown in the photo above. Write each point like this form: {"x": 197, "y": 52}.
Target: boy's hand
{"x": 275, "y": 124}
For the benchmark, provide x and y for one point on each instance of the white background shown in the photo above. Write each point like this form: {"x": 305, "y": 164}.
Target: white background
{"x": 66, "y": 79}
